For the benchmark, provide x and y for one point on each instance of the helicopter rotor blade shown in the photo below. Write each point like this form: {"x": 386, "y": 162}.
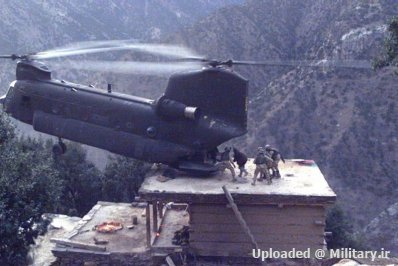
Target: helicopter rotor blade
{"x": 194, "y": 59}
{"x": 91, "y": 44}
{"x": 131, "y": 67}
{"x": 324, "y": 63}
{"x": 175, "y": 54}
{"x": 357, "y": 64}
{"x": 11, "y": 56}
{"x": 172, "y": 51}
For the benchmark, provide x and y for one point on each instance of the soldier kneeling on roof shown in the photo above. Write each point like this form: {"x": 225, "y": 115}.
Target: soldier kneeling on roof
{"x": 261, "y": 166}
{"x": 276, "y": 157}
{"x": 226, "y": 162}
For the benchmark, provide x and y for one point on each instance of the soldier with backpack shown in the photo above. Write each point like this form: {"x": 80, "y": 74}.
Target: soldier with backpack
{"x": 226, "y": 162}
{"x": 276, "y": 158}
{"x": 261, "y": 166}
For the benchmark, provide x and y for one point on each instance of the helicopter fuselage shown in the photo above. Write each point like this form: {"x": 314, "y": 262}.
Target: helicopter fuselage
{"x": 167, "y": 130}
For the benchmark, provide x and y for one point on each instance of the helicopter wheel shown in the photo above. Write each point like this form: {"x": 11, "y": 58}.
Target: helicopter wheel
{"x": 170, "y": 173}
{"x": 63, "y": 146}
{"x": 59, "y": 148}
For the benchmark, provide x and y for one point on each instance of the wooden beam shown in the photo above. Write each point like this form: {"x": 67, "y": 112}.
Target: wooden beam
{"x": 148, "y": 225}
{"x": 290, "y": 210}
{"x": 263, "y": 229}
{"x": 260, "y": 219}
{"x": 76, "y": 244}
{"x": 250, "y": 199}
{"x": 239, "y": 216}
{"x": 155, "y": 216}
{"x": 170, "y": 261}
{"x": 270, "y": 239}
{"x": 160, "y": 207}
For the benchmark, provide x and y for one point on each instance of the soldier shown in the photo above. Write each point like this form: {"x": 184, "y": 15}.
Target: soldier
{"x": 276, "y": 157}
{"x": 226, "y": 162}
{"x": 261, "y": 166}
{"x": 211, "y": 156}
{"x": 240, "y": 158}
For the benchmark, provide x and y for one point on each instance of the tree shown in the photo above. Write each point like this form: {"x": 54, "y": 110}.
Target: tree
{"x": 122, "y": 178}
{"x": 390, "y": 54}
{"x": 342, "y": 230}
{"x": 81, "y": 180}
{"x": 6, "y": 129}
{"x": 34, "y": 181}
{"x": 28, "y": 188}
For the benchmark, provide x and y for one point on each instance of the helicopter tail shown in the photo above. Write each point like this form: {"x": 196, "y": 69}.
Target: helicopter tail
{"x": 216, "y": 91}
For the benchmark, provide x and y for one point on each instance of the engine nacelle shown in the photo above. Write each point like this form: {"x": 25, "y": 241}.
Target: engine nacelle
{"x": 172, "y": 109}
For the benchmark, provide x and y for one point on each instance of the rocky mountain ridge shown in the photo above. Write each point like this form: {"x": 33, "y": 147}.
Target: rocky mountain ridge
{"x": 342, "y": 118}
{"x": 33, "y": 26}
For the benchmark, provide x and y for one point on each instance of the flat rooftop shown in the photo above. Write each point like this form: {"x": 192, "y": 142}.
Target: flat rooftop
{"x": 125, "y": 241}
{"x": 301, "y": 183}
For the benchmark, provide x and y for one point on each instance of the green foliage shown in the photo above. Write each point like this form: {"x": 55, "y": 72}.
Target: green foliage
{"x": 81, "y": 181}
{"x": 342, "y": 231}
{"x": 28, "y": 187}
{"x": 122, "y": 179}
{"x": 34, "y": 181}
{"x": 390, "y": 54}
{"x": 6, "y": 129}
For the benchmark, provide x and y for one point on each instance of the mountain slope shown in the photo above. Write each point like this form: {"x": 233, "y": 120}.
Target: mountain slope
{"x": 31, "y": 26}
{"x": 382, "y": 230}
{"x": 343, "y": 118}
{"x": 34, "y": 25}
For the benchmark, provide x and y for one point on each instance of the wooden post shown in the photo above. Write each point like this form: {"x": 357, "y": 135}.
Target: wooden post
{"x": 134, "y": 219}
{"x": 76, "y": 244}
{"x": 148, "y": 225}
{"x": 160, "y": 209}
{"x": 155, "y": 216}
{"x": 169, "y": 261}
{"x": 239, "y": 216}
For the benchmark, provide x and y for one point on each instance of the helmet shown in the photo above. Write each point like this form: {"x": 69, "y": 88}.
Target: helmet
{"x": 260, "y": 150}
{"x": 267, "y": 147}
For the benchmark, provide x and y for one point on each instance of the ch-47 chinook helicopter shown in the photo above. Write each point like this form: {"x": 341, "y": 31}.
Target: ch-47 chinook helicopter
{"x": 202, "y": 107}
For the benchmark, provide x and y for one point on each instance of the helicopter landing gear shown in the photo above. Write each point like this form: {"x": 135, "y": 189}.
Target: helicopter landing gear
{"x": 170, "y": 173}
{"x": 59, "y": 148}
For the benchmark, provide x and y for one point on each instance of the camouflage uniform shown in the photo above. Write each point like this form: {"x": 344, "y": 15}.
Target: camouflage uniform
{"x": 261, "y": 167}
{"x": 276, "y": 157}
{"x": 226, "y": 163}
